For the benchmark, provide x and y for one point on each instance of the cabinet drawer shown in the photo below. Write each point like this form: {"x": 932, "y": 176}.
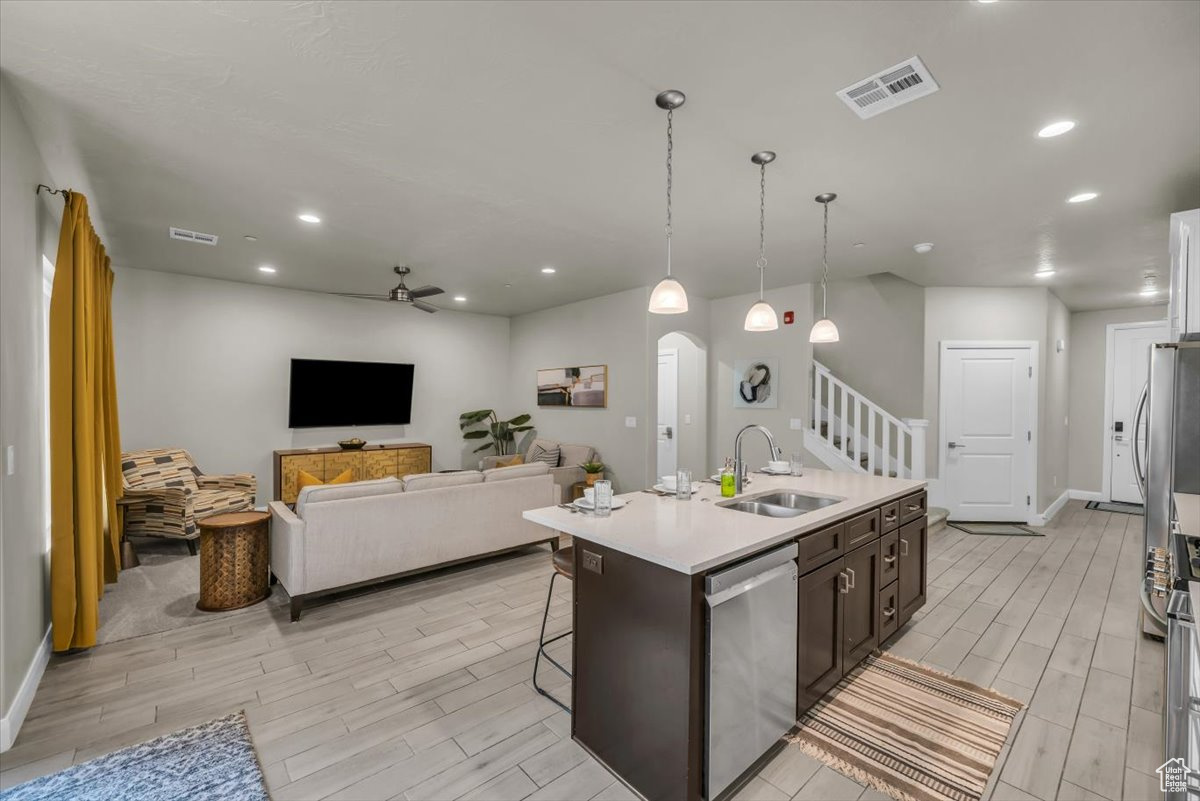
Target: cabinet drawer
{"x": 862, "y": 529}
{"x": 913, "y": 507}
{"x": 821, "y": 547}
{"x": 889, "y": 611}
{"x": 889, "y": 558}
{"x": 890, "y": 516}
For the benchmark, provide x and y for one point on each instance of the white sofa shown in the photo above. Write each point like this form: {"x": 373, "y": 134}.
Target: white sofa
{"x": 342, "y": 535}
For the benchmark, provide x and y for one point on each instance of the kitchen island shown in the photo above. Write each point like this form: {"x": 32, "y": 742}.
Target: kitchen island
{"x": 644, "y": 609}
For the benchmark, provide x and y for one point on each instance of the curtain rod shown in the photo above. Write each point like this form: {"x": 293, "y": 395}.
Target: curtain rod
{"x": 66, "y": 193}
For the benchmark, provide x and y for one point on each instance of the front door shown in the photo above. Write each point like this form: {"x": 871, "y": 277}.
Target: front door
{"x": 668, "y": 411}
{"x": 1129, "y": 365}
{"x": 987, "y": 396}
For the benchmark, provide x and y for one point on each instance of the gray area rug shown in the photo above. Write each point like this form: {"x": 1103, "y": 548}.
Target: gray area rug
{"x": 215, "y": 760}
{"x": 1118, "y": 507}
{"x": 160, "y": 594}
{"x": 996, "y": 529}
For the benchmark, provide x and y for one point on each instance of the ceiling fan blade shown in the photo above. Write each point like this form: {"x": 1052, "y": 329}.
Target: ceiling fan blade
{"x": 425, "y": 291}
{"x": 425, "y": 307}
{"x": 361, "y": 297}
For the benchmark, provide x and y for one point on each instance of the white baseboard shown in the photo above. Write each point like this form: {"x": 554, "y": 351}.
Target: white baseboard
{"x": 1051, "y": 510}
{"x": 1086, "y": 495}
{"x": 10, "y": 724}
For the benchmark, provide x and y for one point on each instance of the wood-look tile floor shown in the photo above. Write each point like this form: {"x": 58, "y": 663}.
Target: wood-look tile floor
{"x": 422, "y": 691}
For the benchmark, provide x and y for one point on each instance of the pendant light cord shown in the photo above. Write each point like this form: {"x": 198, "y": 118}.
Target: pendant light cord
{"x": 825, "y": 266}
{"x": 762, "y": 226}
{"x": 670, "y": 153}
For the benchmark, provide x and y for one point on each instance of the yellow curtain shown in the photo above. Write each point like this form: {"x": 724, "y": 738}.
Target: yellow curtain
{"x": 85, "y": 443}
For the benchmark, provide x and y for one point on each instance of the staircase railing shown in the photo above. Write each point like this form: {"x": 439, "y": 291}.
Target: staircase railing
{"x": 852, "y": 425}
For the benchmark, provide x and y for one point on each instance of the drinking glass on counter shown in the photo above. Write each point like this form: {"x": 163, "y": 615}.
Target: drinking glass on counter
{"x": 683, "y": 485}
{"x": 796, "y": 465}
{"x": 604, "y": 497}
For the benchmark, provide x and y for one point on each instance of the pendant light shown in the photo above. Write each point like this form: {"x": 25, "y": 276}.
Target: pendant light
{"x": 761, "y": 316}
{"x": 824, "y": 330}
{"x": 669, "y": 297}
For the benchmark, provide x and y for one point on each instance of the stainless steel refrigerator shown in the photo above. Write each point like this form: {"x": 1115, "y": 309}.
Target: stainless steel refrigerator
{"x": 1169, "y": 465}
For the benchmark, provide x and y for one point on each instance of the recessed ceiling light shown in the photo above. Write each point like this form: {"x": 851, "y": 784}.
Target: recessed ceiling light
{"x": 1083, "y": 197}
{"x": 987, "y": 2}
{"x": 308, "y": 218}
{"x": 860, "y": 244}
{"x": 460, "y": 298}
{"x": 549, "y": 270}
{"x": 1150, "y": 290}
{"x": 1056, "y": 128}
{"x": 249, "y": 238}
{"x": 923, "y": 247}
{"x": 1045, "y": 272}
{"x": 266, "y": 268}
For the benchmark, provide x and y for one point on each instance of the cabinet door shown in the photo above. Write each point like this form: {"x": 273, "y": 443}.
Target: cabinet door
{"x": 819, "y": 661}
{"x": 913, "y": 537}
{"x": 860, "y": 615}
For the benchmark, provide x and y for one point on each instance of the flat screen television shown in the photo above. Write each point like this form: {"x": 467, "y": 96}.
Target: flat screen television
{"x": 326, "y": 394}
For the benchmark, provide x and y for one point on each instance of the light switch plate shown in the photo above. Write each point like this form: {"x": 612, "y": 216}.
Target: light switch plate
{"x": 687, "y": 419}
{"x": 631, "y": 422}
{"x": 796, "y": 424}
{"x": 593, "y": 562}
{"x": 10, "y": 460}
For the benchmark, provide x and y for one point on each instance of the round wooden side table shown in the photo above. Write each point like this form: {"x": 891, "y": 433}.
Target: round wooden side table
{"x": 235, "y": 551}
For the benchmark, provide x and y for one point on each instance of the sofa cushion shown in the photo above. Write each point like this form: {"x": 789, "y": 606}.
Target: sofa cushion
{"x": 354, "y": 489}
{"x": 307, "y": 479}
{"x": 543, "y": 451}
{"x": 508, "y": 461}
{"x": 574, "y": 455}
{"x": 516, "y": 471}
{"x": 424, "y": 481}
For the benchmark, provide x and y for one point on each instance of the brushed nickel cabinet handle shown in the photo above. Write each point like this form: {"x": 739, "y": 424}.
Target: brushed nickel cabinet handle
{"x": 844, "y": 582}
{"x": 912, "y": 507}
{"x": 889, "y": 559}
{"x": 891, "y": 610}
{"x": 904, "y": 547}
{"x": 889, "y": 518}
{"x": 851, "y": 584}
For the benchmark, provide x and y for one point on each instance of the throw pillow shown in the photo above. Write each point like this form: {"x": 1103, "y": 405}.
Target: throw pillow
{"x": 539, "y": 453}
{"x": 510, "y": 461}
{"x": 306, "y": 479}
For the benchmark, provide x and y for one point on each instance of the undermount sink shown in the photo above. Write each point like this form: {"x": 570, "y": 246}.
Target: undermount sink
{"x": 781, "y": 503}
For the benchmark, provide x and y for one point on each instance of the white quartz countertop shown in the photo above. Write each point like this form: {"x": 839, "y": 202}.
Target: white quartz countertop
{"x": 697, "y": 535}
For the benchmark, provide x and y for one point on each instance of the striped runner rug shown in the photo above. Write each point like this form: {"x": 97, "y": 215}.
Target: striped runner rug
{"x": 910, "y": 732}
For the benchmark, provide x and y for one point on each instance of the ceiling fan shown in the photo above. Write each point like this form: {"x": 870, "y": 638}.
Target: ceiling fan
{"x": 402, "y": 294}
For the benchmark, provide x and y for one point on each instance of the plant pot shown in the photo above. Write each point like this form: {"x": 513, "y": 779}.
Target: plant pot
{"x": 592, "y": 478}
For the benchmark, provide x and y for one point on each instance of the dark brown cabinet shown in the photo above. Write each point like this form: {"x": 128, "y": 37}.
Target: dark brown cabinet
{"x": 860, "y": 611}
{"x": 913, "y": 546}
{"x": 819, "y": 658}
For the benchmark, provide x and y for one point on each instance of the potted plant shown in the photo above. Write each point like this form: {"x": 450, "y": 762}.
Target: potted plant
{"x": 502, "y": 433}
{"x": 594, "y": 470}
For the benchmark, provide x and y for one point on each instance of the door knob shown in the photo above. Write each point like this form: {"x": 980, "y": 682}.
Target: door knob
{"x": 669, "y": 433}
{"x": 954, "y": 445}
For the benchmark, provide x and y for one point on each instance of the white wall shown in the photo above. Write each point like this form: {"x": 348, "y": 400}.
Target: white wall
{"x": 881, "y": 321}
{"x": 691, "y": 433}
{"x": 1053, "y": 416}
{"x": 204, "y": 364}
{"x": 610, "y": 330}
{"x": 789, "y": 344}
{"x": 1087, "y": 365}
{"x": 28, "y": 229}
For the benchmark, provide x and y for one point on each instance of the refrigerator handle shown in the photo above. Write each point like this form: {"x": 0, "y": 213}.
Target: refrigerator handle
{"x": 1137, "y": 455}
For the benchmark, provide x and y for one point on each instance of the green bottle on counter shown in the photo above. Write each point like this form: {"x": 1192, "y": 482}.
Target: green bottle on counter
{"x": 728, "y": 481}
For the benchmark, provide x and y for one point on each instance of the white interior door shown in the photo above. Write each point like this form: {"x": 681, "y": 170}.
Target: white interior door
{"x": 987, "y": 421}
{"x": 668, "y": 411}
{"x": 1129, "y": 366}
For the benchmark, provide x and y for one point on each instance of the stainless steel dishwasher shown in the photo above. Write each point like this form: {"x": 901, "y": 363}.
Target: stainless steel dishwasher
{"x": 751, "y": 663}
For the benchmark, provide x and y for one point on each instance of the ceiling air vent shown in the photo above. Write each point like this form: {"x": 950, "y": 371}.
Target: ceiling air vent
{"x": 184, "y": 235}
{"x": 893, "y": 87}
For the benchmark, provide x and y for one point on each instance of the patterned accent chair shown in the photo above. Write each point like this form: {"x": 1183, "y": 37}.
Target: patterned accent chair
{"x": 165, "y": 494}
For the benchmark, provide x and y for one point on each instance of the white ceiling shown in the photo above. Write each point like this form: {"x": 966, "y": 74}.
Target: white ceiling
{"x": 478, "y": 142}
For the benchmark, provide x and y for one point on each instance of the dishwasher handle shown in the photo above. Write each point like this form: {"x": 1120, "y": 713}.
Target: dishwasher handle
{"x": 788, "y": 570}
